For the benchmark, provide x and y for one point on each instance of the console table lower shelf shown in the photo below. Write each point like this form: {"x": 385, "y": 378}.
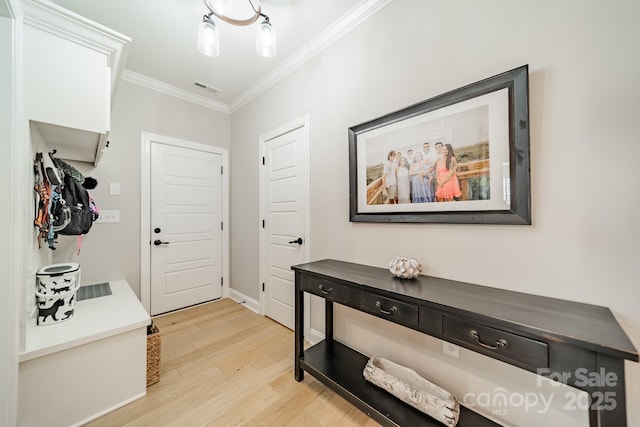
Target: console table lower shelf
{"x": 340, "y": 368}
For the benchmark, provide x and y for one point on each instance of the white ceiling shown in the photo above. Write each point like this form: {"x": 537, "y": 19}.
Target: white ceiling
{"x": 164, "y": 35}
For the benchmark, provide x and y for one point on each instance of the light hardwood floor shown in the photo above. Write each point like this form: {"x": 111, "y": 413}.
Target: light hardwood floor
{"x": 224, "y": 365}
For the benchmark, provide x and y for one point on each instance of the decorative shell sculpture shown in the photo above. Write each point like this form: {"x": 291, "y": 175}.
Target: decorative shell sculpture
{"x": 405, "y": 268}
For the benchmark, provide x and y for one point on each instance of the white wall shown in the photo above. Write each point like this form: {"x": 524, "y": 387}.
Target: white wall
{"x": 583, "y": 244}
{"x": 112, "y": 251}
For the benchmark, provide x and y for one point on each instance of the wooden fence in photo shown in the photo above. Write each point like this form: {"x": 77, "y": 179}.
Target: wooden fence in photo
{"x": 469, "y": 170}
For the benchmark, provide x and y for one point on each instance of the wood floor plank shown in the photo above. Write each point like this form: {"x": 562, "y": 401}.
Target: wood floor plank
{"x": 295, "y": 397}
{"x": 251, "y": 406}
{"x": 331, "y": 410}
{"x": 224, "y": 365}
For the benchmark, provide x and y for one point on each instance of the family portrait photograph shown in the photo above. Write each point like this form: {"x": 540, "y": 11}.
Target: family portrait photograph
{"x": 446, "y": 159}
{"x": 424, "y": 165}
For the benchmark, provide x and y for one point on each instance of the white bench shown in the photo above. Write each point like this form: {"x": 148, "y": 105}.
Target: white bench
{"x": 80, "y": 369}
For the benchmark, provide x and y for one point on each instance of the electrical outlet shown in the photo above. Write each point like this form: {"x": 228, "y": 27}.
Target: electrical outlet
{"x": 451, "y": 349}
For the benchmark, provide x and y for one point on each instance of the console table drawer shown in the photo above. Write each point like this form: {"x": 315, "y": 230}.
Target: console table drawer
{"x": 499, "y": 344}
{"x": 328, "y": 289}
{"x": 390, "y": 309}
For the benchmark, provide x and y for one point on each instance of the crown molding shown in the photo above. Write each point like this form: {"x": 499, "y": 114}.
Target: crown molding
{"x": 346, "y": 23}
{"x": 167, "y": 89}
{"x": 12, "y": 8}
{"x": 61, "y": 22}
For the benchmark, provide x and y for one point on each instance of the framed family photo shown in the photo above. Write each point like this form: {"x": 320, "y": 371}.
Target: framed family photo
{"x": 460, "y": 157}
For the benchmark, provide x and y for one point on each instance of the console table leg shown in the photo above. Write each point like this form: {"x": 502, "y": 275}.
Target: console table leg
{"x": 299, "y": 330}
{"x": 328, "y": 321}
{"x": 608, "y": 396}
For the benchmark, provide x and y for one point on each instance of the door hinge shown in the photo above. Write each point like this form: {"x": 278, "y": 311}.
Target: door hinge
{"x": 263, "y": 161}
{"x": 222, "y": 281}
{"x": 221, "y": 170}
{"x": 263, "y": 287}
{"x": 221, "y": 225}
{"x": 263, "y": 223}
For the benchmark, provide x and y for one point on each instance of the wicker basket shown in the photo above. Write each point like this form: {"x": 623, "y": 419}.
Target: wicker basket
{"x": 153, "y": 354}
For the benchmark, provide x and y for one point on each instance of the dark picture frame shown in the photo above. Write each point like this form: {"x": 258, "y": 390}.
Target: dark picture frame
{"x": 486, "y": 127}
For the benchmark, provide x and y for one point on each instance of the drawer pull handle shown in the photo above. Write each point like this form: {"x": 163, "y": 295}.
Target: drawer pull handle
{"x": 325, "y": 291}
{"x": 501, "y": 343}
{"x": 383, "y": 311}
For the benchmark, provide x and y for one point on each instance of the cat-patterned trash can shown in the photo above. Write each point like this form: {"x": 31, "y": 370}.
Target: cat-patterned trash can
{"x": 56, "y": 292}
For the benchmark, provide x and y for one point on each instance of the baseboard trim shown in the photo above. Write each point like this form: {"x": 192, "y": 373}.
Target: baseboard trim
{"x": 315, "y": 336}
{"x": 241, "y": 298}
{"x": 111, "y": 409}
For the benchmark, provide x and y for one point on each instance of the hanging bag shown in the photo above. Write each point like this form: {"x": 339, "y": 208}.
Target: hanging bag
{"x": 77, "y": 199}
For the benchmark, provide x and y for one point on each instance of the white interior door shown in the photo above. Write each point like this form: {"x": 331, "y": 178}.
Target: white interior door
{"x": 186, "y": 227}
{"x": 285, "y": 187}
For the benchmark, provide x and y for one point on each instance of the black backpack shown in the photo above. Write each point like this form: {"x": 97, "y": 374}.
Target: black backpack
{"x": 76, "y": 198}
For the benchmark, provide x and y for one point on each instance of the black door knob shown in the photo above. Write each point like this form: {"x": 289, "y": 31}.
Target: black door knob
{"x": 298, "y": 241}
{"x": 159, "y": 242}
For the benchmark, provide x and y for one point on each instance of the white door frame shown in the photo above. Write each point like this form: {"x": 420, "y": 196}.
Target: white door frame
{"x": 300, "y": 122}
{"x": 145, "y": 209}
{"x": 16, "y": 262}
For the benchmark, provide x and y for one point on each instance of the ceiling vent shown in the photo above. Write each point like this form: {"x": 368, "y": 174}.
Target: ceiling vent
{"x": 210, "y": 89}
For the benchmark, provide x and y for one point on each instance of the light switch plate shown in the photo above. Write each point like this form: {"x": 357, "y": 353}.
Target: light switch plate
{"x": 114, "y": 189}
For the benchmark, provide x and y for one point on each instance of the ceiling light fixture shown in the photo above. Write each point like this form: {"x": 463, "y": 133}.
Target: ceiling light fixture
{"x": 209, "y": 36}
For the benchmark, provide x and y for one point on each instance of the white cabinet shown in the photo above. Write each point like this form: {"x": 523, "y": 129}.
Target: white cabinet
{"x": 66, "y": 84}
{"x": 71, "y": 70}
{"x": 77, "y": 370}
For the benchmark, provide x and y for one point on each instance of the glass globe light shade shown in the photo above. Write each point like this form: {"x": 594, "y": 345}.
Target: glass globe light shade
{"x": 208, "y": 38}
{"x": 266, "y": 40}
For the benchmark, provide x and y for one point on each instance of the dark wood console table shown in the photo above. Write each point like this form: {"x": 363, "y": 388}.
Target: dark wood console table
{"x": 546, "y": 336}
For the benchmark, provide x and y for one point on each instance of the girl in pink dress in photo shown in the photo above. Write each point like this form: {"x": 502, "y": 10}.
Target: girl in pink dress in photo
{"x": 448, "y": 185}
